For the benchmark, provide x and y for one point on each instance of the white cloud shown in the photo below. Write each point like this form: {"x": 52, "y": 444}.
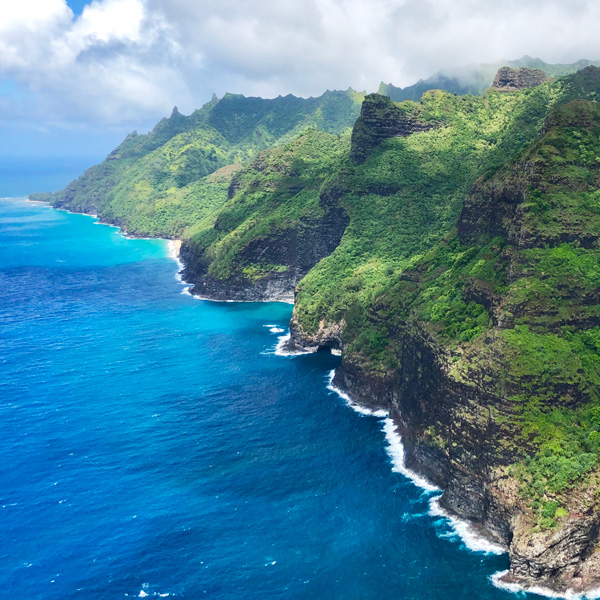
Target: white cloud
{"x": 127, "y": 60}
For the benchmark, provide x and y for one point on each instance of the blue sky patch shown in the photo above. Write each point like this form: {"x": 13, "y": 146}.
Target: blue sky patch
{"x": 77, "y": 5}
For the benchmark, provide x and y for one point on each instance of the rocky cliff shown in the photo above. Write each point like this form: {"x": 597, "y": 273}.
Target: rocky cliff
{"x": 295, "y": 249}
{"x": 380, "y": 119}
{"x": 508, "y": 79}
{"x": 280, "y": 221}
{"x": 495, "y": 395}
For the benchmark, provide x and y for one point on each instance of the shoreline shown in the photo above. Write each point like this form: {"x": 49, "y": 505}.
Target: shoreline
{"x": 465, "y": 531}
{"x": 473, "y": 540}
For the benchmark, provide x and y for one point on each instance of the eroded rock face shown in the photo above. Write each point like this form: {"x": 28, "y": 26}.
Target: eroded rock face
{"x": 380, "y": 119}
{"x": 571, "y": 551}
{"x": 509, "y": 80}
{"x": 327, "y": 336}
{"x": 300, "y": 248}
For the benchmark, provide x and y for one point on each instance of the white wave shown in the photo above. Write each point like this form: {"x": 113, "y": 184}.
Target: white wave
{"x": 280, "y": 348}
{"x": 242, "y": 301}
{"x": 516, "y": 588}
{"x": 395, "y": 450}
{"x": 361, "y": 410}
{"x": 276, "y": 330}
{"x": 174, "y": 247}
{"x": 465, "y": 531}
{"x": 268, "y": 326}
{"x": 144, "y": 594}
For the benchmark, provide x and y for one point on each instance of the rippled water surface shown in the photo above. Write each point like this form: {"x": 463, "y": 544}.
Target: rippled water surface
{"x": 152, "y": 444}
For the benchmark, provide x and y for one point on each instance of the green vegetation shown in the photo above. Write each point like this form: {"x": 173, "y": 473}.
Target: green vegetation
{"x": 568, "y": 443}
{"x": 278, "y": 197}
{"x": 407, "y": 195}
{"x": 160, "y": 183}
{"x": 519, "y": 297}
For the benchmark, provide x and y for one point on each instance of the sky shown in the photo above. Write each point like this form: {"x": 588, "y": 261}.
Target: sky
{"x": 77, "y": 75}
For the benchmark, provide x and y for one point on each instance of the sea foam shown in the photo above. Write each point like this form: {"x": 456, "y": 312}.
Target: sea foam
{"x": 281, "y": 350}
{"x": 361, "y": 410}
{"x": 465, "y": 531}
{"x": 395, "y": 450}
{"x": 516, "y": 588}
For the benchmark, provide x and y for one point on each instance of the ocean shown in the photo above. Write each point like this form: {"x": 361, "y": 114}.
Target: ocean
{"x": 157, "y": 445}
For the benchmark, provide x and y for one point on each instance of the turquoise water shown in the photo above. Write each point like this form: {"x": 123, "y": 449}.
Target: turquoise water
{"x": 154, "y": 444}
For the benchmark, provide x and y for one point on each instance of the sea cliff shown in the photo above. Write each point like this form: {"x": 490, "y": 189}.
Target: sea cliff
{"x": 450, "y": 250}
{"x": 501, "y": 409}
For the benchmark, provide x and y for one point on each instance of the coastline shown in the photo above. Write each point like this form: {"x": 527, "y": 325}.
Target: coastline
{"x": 473, "y": 540}
{"x": 471, "y": 534}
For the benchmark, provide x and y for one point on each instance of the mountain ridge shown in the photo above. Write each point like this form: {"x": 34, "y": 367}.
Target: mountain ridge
{"x": 475, "y": 79}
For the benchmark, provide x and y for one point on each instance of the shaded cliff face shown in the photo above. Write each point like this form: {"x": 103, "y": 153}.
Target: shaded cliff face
{"x": 496, "y": 338}
{"x": 280, "y": 220}
{"x": 274, "y": 264}
{"x": 380, "y": 119}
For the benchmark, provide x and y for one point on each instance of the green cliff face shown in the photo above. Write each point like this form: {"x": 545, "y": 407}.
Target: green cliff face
{"x": 161, "y": 183}
{"x": 275, "y": 226}
{"x": 486, "y": 348}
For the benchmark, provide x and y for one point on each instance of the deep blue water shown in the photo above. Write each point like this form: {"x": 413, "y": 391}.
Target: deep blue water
{"x": 152, "y": 443}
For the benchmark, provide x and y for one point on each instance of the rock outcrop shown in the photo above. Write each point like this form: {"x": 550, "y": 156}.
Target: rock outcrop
{"x": 509, "y": 80}
{"x": 381, "y": 119}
